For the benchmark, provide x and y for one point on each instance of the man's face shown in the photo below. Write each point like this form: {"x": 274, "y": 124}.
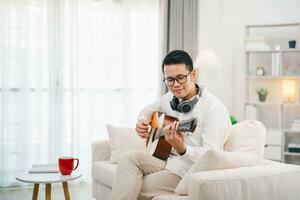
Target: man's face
{"x": 184, "y": 90}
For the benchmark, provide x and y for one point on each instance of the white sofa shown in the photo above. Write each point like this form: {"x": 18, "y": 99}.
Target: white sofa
{"x": 237, "y": 173}
{"x": 271, "y": 180}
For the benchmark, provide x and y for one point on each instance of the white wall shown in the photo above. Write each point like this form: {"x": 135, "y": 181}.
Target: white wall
{"x": 221, "y": 28}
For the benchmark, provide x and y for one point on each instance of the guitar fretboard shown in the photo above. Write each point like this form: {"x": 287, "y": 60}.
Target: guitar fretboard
{"x": 183, "y": 126}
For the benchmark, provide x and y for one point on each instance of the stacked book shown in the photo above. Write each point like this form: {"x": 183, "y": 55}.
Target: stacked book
{"x": 44, "y": 168}
{"x": 293, "y": 147}
{"x": 256, "y": 43}
{"x": 296, "y": 124}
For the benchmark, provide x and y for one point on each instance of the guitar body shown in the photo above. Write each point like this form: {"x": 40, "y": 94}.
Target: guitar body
{"x": 159, "y": 148}
{"x": 156, "y": 143}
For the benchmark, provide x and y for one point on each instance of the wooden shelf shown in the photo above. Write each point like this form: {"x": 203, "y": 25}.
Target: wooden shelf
{"x": 274, "y": 130}
{"x": 291, "y": 104}
{"x": 290, "y": 50}
{"x": 272, "y": 77}
{"x": 272, "y": 25}
{"x": 274, "y": 51}
{"x": 266, "y": 103}
{"x": 287, "y": 153}
{"x": 291, "y": 130}
{"x": 261, "y": 51}
{"x": 272, "y": 145}
{"x": 283, "y": 130}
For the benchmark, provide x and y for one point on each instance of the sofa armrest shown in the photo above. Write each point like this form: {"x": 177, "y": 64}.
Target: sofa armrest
{"x": 100, "y": 150}
{"x": 256, "y": 182}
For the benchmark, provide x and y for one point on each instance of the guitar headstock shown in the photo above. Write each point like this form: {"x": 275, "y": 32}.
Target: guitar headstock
{"x": 187, "y": 125}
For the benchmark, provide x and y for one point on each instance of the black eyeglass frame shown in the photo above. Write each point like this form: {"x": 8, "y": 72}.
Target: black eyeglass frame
{"x": 180, "y": 81}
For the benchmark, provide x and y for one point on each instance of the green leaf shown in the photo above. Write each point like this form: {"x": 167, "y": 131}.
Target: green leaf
{"x": 233, "y": 120}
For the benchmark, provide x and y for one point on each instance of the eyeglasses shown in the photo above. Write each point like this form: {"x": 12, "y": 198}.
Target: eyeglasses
{"x": 180, "y": 79}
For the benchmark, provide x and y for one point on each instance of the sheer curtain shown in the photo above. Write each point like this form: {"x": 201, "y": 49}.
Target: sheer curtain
{"x": 67, "y": 68}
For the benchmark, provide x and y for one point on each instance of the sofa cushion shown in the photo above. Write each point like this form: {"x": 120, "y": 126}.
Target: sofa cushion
{"x": 244, "y": 173}
{"x": 243, "y": 147}
{"x": 274, "y": 181}
{"x": 170, "y": 197}
{"x": 122, "y": 139}
{"x": 247, "y": 136}
{"x": 217, "y": 159}
{"x": 104, "y": 172}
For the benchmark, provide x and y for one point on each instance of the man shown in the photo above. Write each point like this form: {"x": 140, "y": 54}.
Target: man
{"x": 184, "y": 100}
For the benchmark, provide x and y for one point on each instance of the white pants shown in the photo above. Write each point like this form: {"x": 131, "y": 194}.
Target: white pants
{"x": 142, "y": 176}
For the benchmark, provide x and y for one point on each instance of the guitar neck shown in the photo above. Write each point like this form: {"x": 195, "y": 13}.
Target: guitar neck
{"x": 183, "y": 126}
{"x": 187, "y": 125}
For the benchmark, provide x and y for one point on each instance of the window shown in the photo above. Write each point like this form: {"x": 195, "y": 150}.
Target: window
{"x": 67, "y": 69}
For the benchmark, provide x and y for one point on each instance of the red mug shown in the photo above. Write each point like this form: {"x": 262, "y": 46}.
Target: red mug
{"x": 66, "y": 165}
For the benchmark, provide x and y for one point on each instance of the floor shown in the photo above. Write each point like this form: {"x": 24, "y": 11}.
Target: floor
{"x": 81, "y": 191}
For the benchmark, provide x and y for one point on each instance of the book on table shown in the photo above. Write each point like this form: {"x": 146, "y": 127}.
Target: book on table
{"x": 44, "y": 168}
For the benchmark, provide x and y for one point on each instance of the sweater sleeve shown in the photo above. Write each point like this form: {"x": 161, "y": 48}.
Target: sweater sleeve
{"x": 214, "y": 132}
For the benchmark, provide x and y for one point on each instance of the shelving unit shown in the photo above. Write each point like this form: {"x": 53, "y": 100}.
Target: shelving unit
{"x": 279, "y": 63}
{"x": 290, "y": 136}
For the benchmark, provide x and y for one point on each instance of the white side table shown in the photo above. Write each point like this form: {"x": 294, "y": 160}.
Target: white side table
{"x": 48, "y": 178}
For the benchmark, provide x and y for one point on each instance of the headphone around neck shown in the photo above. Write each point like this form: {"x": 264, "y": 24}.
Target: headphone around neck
{"x": 185, "y": 106}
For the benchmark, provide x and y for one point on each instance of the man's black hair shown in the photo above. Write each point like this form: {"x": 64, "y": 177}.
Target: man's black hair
{"x": 178, "y": 57}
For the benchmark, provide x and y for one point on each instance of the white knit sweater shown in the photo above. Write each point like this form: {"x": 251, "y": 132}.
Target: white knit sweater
{"x": 213, "y": 123}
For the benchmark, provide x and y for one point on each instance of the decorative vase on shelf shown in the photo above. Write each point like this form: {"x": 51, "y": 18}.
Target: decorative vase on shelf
{"x": 292, "y": 44}
{"x": 262, "y": 94}
{"x": 262, "y": 98}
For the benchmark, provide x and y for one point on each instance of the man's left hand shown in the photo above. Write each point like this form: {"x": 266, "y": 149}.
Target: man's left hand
{"x": 174, "y": 138}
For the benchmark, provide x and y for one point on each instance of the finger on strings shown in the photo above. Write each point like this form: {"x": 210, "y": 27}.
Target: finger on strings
{"x": 173, "y": 127}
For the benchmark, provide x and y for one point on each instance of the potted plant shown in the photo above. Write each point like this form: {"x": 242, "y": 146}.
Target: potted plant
{"x": 262, "y": 93}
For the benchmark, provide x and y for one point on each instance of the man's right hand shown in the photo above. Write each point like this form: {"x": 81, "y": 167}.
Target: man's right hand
{"x": 142, "y": 128}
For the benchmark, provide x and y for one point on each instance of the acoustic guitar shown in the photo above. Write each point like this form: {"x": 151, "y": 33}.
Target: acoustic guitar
{"x": 156, "y": 144}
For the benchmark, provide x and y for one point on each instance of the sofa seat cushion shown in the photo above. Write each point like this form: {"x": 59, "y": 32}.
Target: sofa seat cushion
{"x": 271, "y": 181}
{"x": 244, "y": 173}
{"x": 215, "y": 159}
{"x": 171, "y": 197}
{"x": 104, "y": 172}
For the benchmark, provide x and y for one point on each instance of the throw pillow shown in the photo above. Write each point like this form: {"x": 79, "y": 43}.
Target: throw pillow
{"x": 215, "y": 159}
{"x": 247, "y": 136}
{"x": 243, "y": 147}
{"x": 122, "y": 139}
